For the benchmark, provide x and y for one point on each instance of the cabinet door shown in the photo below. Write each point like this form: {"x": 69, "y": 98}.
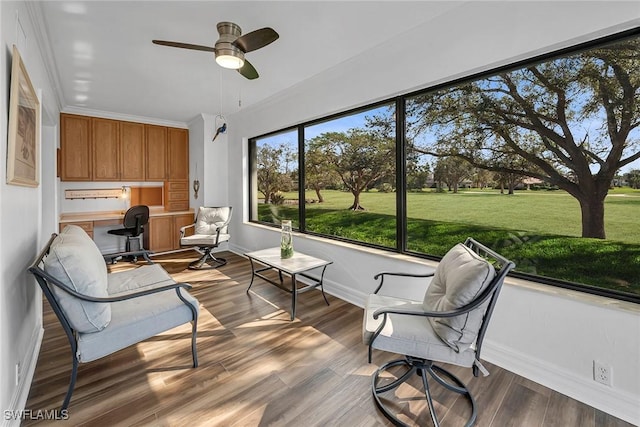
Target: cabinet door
{"x": 105, "y": 149}
{"x": 75, "y": 148}
{"x": 131, "y": 151}
{"x": 179, "y": 222}
{"x": 160, "y": 234}
{"x": 178, "y": 154}
{"x": 156, "y": 153}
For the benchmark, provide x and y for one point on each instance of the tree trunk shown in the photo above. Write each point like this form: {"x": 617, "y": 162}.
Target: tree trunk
{"x": 455, "y": 187}
{"x": 513, "y": 180}
{"x": 320, "y": 198}
{"x": 356, "y": 202}
{"x": 592, "y": 209}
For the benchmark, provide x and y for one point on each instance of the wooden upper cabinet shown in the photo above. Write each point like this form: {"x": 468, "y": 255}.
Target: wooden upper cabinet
{"x": 105, "y": 137}
{"x": 156, "y": 153}
{"x": 132, "y": 151}
{"x": 97, "y": 149}
{"x": 178, "y": 163}
{"x": 75, "y": 148}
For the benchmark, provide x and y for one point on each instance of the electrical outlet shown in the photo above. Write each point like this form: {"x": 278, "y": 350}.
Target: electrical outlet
{"x": 17, "y": 373}
{"x": 602, "y": 373}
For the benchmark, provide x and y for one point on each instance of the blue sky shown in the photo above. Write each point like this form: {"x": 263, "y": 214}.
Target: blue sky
{"x": 343, "y": 124}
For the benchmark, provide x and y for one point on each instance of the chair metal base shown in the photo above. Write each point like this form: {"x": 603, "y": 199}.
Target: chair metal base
{"x": 420, "y": 367}
{"x": 207, "y": 261}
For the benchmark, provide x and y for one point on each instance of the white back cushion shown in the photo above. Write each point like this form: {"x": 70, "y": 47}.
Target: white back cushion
{"x": 74, "y": 259}
{"x": 459, "y": 278}
{"x": 209, "y": 219}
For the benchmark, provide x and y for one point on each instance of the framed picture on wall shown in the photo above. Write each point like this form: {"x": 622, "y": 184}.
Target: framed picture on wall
{"x": 23, "y": 142}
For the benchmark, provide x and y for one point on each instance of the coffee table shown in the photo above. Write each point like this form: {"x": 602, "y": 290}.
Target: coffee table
{"x": 298, "y": 265}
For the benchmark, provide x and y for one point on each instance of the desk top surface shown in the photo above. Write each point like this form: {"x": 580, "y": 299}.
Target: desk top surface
{"x": 110, "y": 215}
{"x": 298, "y": 263}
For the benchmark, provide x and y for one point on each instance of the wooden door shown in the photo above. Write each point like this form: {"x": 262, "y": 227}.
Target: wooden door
{"x": 179, "y": 222}
{"x": 178, "y": 154}
{"x": 105, "y": 141}
{"x": 132, "y": 151}
{"x": 75, "y": 148}
{"x": 160, "y": 234}
{"x": 156, "y": 153}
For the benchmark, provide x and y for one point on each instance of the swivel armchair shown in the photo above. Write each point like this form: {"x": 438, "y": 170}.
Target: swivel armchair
{"x": 211, "y": 227}
{"x": 448, "y": 326}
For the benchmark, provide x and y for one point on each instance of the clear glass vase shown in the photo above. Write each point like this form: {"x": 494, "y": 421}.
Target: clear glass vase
{"x": 286, "y": 240}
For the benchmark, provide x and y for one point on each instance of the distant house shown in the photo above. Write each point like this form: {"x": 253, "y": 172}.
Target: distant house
{"x": 529, "y": 181}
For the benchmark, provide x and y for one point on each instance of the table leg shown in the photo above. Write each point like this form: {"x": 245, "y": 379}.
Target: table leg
{"x": 253, "y": 274}
{"x": 322, "y": 285}
{"x": 294, "y": 293}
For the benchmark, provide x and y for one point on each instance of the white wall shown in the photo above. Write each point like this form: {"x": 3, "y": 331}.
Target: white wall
{"x": 197, "y": 160}
{"x": 549, "y": 336}
{"x": 21, "y": 216}
{"x": 211, "y": 158}
{"x": 216, "y": 165}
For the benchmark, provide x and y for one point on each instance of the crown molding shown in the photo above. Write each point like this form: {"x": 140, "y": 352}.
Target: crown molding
{"x": 41, "y": 32}
{"x": 124, "y": 117}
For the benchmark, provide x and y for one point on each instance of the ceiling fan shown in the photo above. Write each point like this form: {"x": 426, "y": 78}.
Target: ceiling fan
{"x": 231, "y": 47}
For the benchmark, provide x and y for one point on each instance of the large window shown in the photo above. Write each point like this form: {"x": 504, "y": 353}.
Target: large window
{"x": 275, "y": 178}
{"x": 350, "y": 177}
{"x": 540, "y": 161}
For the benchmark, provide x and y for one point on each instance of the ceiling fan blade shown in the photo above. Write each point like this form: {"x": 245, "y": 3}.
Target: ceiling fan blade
{"x": 256, "y": 39}
{"x": 185, "y": 45}
{"x": 248, "y": 71}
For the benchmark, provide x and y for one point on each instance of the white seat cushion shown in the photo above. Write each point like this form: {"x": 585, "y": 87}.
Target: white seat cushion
{"x": 138, "y": 279}
{"x": 135, "y": 320}
{"x": 409, "y": 335}
{"x": 203, "y": 239}
{"x": 140, "y": 318}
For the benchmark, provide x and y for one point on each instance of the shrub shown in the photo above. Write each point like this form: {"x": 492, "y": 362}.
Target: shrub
{"x": 277, "y": 199}
{"x": 385, "y": 187}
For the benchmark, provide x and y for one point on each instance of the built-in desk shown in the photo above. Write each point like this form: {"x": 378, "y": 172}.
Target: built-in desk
{"x": 161, "y": 234}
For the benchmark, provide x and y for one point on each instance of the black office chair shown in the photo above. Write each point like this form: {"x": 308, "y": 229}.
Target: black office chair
{"x": 134, "y": 221}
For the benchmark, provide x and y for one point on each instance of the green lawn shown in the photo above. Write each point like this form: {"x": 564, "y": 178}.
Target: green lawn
{"x": 539, "y": 230}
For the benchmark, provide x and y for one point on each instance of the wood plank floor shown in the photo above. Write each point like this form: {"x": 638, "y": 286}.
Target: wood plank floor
{"x": 257, "y": 368}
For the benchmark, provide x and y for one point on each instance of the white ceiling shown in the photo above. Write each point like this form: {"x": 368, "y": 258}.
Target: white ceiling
{"x": 105, "y": 61}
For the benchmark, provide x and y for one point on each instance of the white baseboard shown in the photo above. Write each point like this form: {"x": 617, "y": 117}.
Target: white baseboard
{"x": 345, "y": 293}
{"x": 607, "y": 399}
{"x": 19, "y": 399}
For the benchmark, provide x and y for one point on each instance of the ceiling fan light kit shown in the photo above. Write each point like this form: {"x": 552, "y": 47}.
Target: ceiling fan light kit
{"x": 231, "y": 61}
{"x": 227, "y": 54}
{"x": 231, "y": 47}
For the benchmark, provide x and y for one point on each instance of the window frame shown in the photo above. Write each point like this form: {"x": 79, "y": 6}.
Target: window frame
{"x": 401, "y": 200}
